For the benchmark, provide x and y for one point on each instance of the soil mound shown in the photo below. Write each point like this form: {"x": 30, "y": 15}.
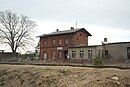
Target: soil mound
{"x": 62, "y": 76}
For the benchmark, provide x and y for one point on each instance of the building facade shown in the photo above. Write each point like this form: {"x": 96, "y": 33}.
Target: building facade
{"x": 54, "y": 46}
{"x": 80, "y": 54}
{"x": 117, "y": 51}
{"x": 110, "y": 52}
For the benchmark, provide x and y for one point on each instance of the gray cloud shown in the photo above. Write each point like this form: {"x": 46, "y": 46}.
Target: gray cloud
{"x": 112, "y": 13}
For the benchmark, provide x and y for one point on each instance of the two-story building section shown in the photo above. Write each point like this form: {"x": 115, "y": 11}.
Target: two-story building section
{"x": 53, "y": 46}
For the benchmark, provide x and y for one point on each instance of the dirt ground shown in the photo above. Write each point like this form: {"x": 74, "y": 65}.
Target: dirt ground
{"x": 62, "y": 76}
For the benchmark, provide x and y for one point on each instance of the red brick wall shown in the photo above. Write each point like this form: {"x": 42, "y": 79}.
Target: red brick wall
{"x": 62, "y": 37}
{"x": 50, "y": 47}
{"x": 80, "y": 38}
{"x": 72, "y": 39}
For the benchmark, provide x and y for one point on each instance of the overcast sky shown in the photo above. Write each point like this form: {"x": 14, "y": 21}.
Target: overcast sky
{"x": 102, "y": 18}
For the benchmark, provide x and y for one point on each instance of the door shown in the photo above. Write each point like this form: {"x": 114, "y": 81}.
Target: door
{"x": 128, "y": 52}
{"x": 66, "y": 54}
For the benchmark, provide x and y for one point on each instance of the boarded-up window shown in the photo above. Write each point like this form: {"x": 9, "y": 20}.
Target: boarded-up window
{"x": 73, "y": 53}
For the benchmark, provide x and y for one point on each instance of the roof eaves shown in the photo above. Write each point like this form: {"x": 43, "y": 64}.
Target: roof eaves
{"x": 117, "y": 43}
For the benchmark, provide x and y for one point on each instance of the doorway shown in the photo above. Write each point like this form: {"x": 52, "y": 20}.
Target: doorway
{"x": 65, "y": 54}
{"x": 128, "y": 52}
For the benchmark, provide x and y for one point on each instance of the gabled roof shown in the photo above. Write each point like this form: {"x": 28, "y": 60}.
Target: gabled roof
{"x": 65, "y": 32}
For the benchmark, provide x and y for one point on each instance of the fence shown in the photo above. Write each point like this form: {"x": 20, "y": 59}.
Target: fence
{"x": 27, "y": 59}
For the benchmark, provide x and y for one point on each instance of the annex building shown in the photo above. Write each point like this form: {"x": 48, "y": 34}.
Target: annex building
{"x": 110, "y": 52}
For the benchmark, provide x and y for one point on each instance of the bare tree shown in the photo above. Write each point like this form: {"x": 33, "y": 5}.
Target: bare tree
{"x": 16, "y": 31}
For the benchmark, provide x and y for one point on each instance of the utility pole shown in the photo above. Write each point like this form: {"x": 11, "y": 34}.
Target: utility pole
{"x": 76, "y": 24}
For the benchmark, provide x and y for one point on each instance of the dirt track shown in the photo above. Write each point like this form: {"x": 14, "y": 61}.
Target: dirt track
{"x": 62, "y": 76}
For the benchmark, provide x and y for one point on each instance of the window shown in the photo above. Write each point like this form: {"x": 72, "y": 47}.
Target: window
{"x": 44, "y": 43}
{"x": 44, "y": 55}
{"x": 128, "y": 52}
{"x": 102, "y": 54}
{"x": 73, "y": 53}
{"x": 98, "y": 52}
{"x": 66, "y": 41}
{"x": 53, "y": 42}
{"x": 89, "y": 53}
{"x": 80, "y": 34}
{"x": 53, "y": 54}
{"x": 59, "y": 54}
{"x": 77, "y": 38}
{"x": 60, "y": 41}
{"x": 106, "y": 52}
{"x": 81, "y": 53}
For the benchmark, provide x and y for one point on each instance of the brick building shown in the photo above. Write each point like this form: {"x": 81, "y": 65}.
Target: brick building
{"x": 53, "y": 46}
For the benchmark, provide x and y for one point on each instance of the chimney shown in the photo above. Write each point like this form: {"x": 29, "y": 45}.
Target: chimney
{"x": 71, "y": 28}
{"x": 105, "y": 39}
{"x": 57, "y": 30}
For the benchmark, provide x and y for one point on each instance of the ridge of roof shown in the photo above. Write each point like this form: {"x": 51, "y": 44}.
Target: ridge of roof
{"x": 64, "y": 32}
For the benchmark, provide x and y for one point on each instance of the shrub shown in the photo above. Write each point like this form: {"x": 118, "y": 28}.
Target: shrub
{"x": 98, "y": 61}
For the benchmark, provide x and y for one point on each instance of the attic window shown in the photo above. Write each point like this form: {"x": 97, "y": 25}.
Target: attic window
{"x": 80, "y": 34}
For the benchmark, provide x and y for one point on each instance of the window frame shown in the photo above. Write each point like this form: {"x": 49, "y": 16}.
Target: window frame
{"x": 73, "y": 53}
{"x": 53, "y": 42}
{"x": 44, "y": 43}
{"x": 81, "y": 55}
{"x": 59, "y": 41}
{"x": 66, "y": 41}
{"x": 106, "y": 52}
{"x": 99, "y": 52}
{"x": 90, "y": 53}
{"x": 44, "y": 55}
{"x": 53, "y": 53}
{"x": 59, "y": 54}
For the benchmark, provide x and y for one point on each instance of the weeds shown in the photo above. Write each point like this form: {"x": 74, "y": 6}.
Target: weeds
{"x": 98, "y": 61}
